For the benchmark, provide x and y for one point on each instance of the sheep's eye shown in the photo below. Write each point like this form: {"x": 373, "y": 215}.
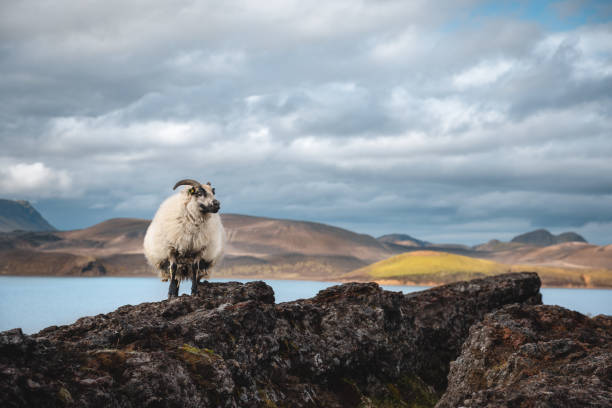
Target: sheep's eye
{"x": 202, "y": 192}
{"x": 192, "y": 190}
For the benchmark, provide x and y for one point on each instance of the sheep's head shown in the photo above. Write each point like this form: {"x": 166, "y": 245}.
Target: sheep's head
{"x": 200, "y": 197}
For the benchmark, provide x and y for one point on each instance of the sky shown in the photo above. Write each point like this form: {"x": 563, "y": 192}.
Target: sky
{"x": 452, "y": 121}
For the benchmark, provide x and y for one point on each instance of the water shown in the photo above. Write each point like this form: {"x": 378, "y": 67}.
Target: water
{"x": 34, "y": 303}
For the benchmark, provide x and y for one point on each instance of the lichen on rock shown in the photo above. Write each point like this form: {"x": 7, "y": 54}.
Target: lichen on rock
{"x": 534, "y": 356}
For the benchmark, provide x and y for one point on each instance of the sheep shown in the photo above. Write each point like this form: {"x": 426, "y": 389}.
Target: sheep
{"x": 186, "y": 238}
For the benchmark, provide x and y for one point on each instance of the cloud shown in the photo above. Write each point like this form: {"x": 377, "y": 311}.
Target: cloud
{"x": 377, "y": 116}
{"x": 410, "y": 44}
{"x": 34, "y": 180}
{"x": 199, "y": 63}
{"x": 482, "y": 74}
{"x": 110, "y": 133}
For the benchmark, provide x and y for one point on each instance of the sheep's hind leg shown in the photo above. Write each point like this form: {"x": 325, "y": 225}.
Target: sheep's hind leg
{"x": 174, "y": 285}
{"x": 204, "y": 265}
{"x": 194, "y": 279}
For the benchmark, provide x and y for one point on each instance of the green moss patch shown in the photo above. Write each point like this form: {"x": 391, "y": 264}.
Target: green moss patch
{"x": 409, "y": 392}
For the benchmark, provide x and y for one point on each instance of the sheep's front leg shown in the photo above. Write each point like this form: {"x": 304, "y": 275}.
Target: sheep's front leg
{"x": 174, "y": 285}
{"x": 194, "y": 278}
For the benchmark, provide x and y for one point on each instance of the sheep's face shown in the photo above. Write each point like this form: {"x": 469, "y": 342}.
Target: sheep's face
{"x": 201, "y": 200}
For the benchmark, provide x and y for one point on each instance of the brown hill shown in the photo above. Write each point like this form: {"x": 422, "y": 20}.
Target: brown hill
{"x": 285, "y": 249}
{"x": 25, "y": 262}
{"x": 114, "y": 236}
{"x": 269, "y": 248}
{"x": 256, "y": 247}
{"x": 256, "y": 236}
{"x": 569, "y": 254}
{"x": 111, "y": 229}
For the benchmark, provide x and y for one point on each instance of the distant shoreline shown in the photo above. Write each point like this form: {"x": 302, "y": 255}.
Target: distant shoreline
{"x": 381, "y": 282}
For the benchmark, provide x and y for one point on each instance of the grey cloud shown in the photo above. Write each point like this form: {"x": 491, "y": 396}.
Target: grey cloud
{"x": 347, "y": 113}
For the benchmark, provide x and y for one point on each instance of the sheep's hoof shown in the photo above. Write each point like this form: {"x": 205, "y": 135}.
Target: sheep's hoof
{"x": 173, "y": 289}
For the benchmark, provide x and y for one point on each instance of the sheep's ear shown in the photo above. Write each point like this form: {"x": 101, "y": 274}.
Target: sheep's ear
{"x": 213, "y": 190}
{"x": 208, "y": 183}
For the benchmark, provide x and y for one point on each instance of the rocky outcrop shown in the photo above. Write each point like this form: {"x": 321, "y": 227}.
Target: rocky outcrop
{"x": 232, "y": 346}
{"x": 534, "y": 356}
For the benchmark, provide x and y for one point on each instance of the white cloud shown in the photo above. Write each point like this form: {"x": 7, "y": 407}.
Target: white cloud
{"x": 109, "y": 132}
{"x": 592, "y": 48}
{"x": 408, "y": 45}
{"x": 202, "y": 63}
{"x": 482, "y": 74}
{"x": 35, "y": 180}
{"x": 595, "y": 46}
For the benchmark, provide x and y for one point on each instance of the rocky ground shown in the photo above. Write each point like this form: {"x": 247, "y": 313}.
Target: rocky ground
{"x": 534, "y": 356}
{"x": 232, "y": 346}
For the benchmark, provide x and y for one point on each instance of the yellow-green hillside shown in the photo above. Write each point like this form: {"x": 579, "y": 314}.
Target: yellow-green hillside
{"x": 428, "y": 266}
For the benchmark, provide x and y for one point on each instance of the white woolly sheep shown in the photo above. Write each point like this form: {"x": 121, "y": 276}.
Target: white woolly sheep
{"x": 186, "y": 239}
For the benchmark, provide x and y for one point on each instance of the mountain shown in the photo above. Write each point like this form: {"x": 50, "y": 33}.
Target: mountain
{"x": 20, "y": 215}
{"x": 267, "y": 248}
{"x": 564, "y": 260}
{"x": 256, "y": 247}
{"x": 117, "y": 235}
{"x": 542, "y": 237}
{"x": 256, "y": 236}
{"x": 497, "y": 245}
{"x": 568, "y": 254}
{"x": 432, "y": 268}
{"x": 561, "y": 260}
{"x": 570, "y": 237}
{"x": 402, "y": 239}
{"x": 285, "y": 249}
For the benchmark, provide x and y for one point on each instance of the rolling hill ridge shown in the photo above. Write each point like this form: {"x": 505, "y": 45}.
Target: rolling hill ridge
{"x": 256, "y": 247}
{"x": 259, "y": 247}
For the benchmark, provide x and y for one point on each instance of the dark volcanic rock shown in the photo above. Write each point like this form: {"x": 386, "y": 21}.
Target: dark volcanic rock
{"x": 231, "y": 346}
{"x": 534, "y": 356}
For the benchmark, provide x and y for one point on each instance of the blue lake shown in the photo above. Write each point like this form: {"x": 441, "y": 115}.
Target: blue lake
{"x": 34, "y": 303}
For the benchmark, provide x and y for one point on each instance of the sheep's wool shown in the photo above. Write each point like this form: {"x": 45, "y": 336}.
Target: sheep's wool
{"x": 175, "y": 232}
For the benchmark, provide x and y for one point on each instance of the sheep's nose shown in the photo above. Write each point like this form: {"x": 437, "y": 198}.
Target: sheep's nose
{"x": 216, "y": 203}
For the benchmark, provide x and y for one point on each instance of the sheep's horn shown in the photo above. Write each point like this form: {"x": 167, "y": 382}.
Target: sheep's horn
{"x": 186, "y": 182}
